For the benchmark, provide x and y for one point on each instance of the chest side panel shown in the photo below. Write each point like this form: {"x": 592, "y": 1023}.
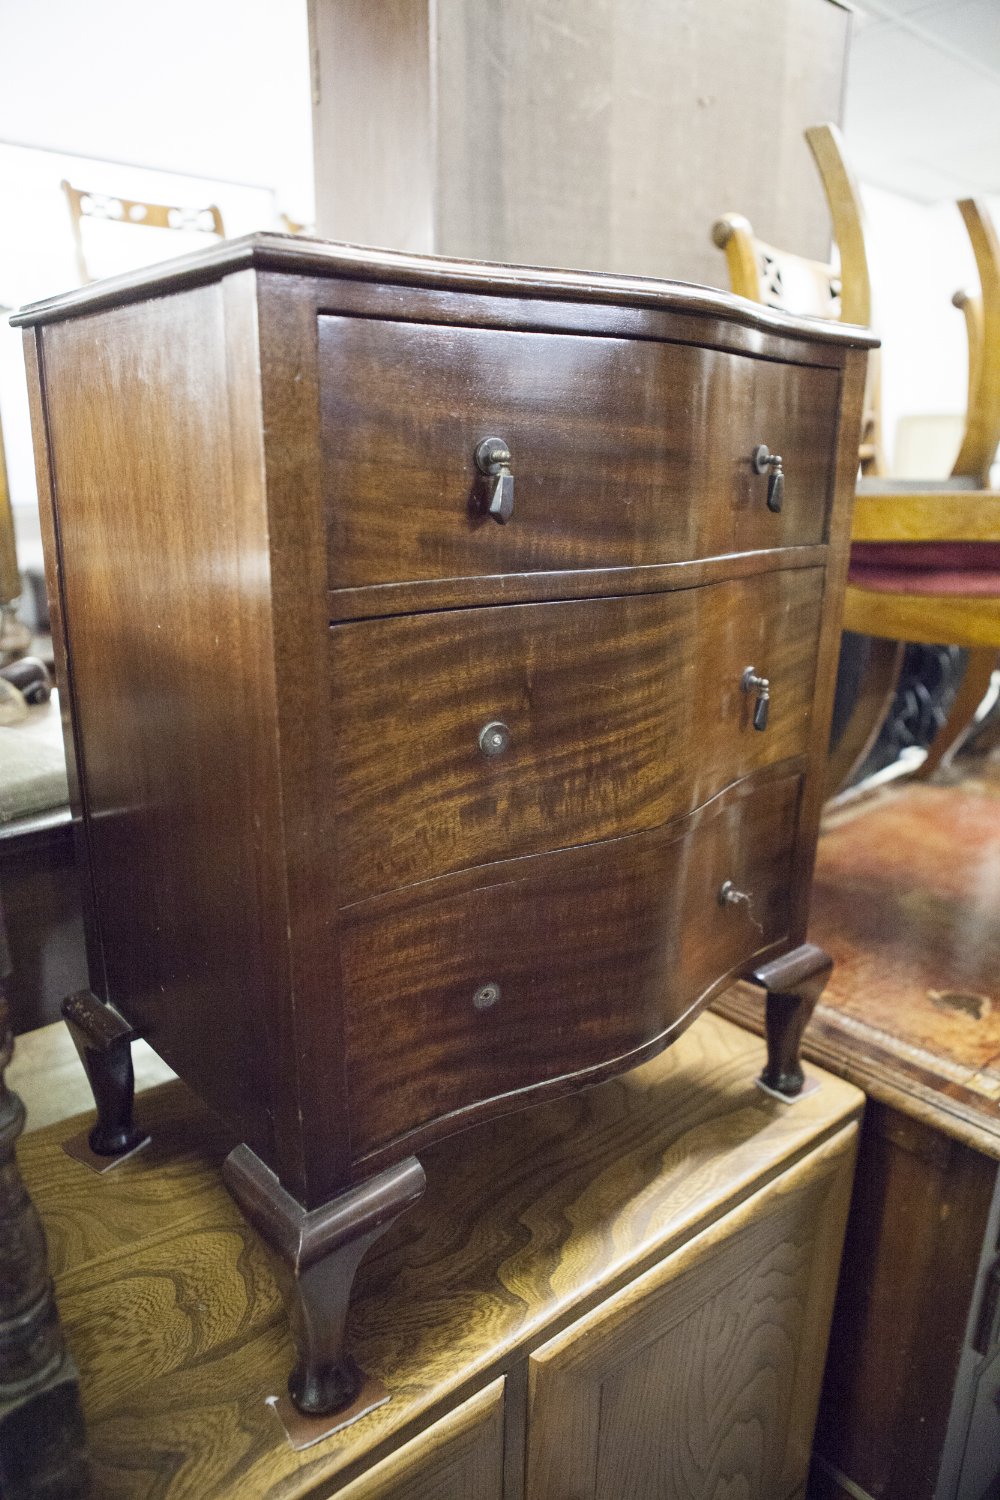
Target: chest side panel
{"x": 161, "y": 535}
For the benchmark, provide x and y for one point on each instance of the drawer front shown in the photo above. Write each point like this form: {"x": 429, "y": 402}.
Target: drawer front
{"x": 619, "y": 714}
{"x": 467, "y": 989}
{"x": 624, "y": 453}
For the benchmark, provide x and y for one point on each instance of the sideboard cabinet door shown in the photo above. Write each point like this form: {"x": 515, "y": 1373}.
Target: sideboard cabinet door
{"x": 459, "y": 1458}
{"x": 701, "y": 1378}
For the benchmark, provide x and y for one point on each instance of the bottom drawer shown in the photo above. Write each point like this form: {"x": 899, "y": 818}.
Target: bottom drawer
{"x": 501, "y": 979}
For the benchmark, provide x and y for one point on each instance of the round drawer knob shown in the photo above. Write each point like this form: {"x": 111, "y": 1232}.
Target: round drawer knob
{"x": 486, "y": 995}
{"x": 494, "y": 738}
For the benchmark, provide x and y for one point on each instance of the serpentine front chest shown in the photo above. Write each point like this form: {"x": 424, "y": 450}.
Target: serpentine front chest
{"x": 448, "y": 654}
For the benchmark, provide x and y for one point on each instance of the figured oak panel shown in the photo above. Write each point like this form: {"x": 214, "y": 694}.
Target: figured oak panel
{"x": 458, "y": 992}
{"x": 625, "y": 452}
{"x": 623, "y": 713}
{"x": 700, "y": 1380}
{"x": 459, "y": 1458}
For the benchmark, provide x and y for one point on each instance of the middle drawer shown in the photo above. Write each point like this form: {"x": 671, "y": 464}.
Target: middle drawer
{"x": 469, "y": 736}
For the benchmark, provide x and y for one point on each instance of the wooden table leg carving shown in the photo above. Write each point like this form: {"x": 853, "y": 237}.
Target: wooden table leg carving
{"x": 103, "y": 1039}
{"x": 793, "y": 983}
{"x": 318, "y": 1253}
{"x": 42, "y": 1438}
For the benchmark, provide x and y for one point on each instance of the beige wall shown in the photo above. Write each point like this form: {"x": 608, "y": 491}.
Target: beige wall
{"x": 606, "y": 134}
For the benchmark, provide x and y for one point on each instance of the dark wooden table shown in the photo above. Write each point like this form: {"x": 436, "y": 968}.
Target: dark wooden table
{"x": 907, "y": 900}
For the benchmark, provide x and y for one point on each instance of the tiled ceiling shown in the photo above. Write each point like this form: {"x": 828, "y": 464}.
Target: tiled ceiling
{"x": 922, "y": 112}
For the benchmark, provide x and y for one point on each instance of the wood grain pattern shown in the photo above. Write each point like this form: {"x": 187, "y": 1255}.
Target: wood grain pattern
{"x": 702, "y": 1377}
{"x": 610, "y": 462}
{"x": 176, "y": 1323}
{"x": 460, "y": 1457}
{"x": 162, "y": 671}
{"x": 599, "y": 698}
{"x": 597, "y": 955}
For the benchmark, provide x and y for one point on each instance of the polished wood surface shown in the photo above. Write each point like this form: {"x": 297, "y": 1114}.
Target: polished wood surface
{"x": 669, "y": 1390}
{"x": 528, "y": 1224}
{"x": 906, "y": 895}
{"x": 905, "y": 899}
{"x": 597, "y": 696}
{"x": 294, "y": 254}
{"x": 590, "y": 958}
{"x": 161, "y": 674}
{"x": 344, "y": 924}
{"x": 610, "y": 464}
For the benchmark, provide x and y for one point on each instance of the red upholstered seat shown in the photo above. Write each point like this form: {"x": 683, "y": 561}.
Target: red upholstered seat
{"x": 964, "y": 568}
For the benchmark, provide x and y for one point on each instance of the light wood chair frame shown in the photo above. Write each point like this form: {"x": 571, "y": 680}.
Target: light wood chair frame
{"x": 969, "y": 514}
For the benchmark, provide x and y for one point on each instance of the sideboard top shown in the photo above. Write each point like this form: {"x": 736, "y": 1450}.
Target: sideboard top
{"x": 307, "y": 257}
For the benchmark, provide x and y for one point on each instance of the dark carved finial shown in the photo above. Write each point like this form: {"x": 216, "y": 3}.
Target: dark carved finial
{"x": 42, "y": 1439}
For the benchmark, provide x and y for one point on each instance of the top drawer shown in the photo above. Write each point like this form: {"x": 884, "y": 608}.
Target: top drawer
{"x": 624, "y": 452}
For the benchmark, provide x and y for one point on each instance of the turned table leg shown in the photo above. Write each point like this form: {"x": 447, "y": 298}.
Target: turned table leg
{"x": 42, "y": 1438}
{"x": 319, "y": 1252}
{"x": 793, "y": 983}
{"x": 103, "y": 1040}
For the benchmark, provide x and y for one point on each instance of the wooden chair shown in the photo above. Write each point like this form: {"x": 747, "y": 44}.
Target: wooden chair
{"x": 128, "y": 215}
{"x": 15, "y": 638}
{"x": 925, "y": 556}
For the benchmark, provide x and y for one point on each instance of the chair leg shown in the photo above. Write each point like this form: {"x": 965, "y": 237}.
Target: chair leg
{"x": 874, "y": 700}
{"x": 975, "y": 684}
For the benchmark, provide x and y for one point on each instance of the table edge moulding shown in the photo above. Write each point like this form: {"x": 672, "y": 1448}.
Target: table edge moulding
{"x": 255, "y": 462}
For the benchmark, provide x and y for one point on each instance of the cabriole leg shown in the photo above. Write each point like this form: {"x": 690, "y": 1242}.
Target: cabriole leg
{"x": 318, "y": 1253}
{"x": 793, "y": 983}
{"x": 104, "y": 1039}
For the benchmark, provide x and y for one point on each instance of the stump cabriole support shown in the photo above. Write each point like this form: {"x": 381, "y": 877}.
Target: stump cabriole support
{"x": 318, "y": 1252}
{"x": 794, "y": 983}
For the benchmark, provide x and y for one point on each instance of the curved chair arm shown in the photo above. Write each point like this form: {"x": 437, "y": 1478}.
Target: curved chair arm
{"x": 982, "y": 320}
{"x": 847, "y": 215}
{"x": 734, "y": 234}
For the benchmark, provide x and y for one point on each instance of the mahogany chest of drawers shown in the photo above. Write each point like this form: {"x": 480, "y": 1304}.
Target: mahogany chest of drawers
{"x": 421, "y": 776}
